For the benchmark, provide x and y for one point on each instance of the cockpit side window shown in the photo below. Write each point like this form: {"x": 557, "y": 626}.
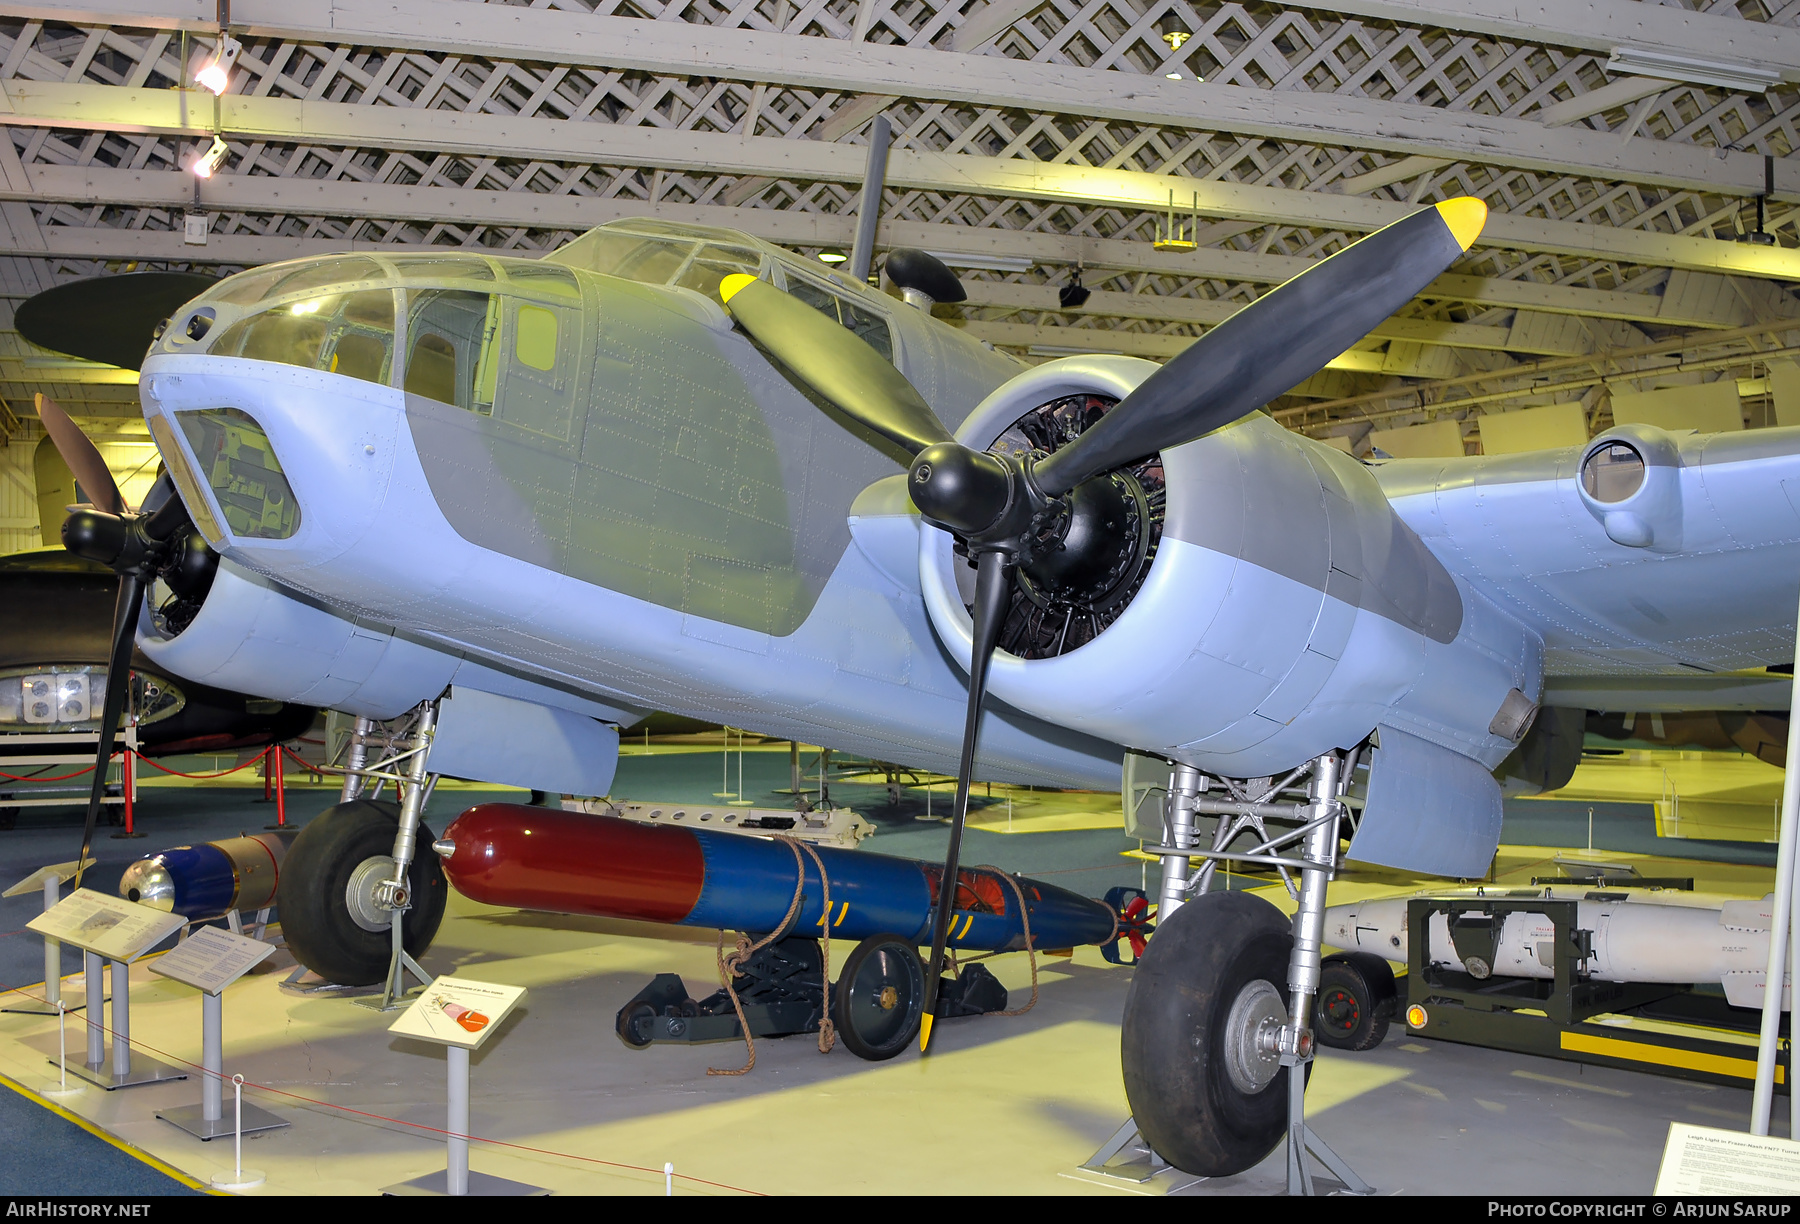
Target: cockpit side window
{"x": 650, "y": 261}
{"x": 343, "y": 333}
{"x": 712, "y": 264}
{"x": 453, "y": 342}
{"x": 871, "y": 327}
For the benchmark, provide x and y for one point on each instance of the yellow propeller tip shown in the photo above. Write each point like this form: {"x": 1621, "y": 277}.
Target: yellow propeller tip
{"x": 729, "y": 287}
{"x": 1465, "y": 215}
{"x": 924, "y": 1032}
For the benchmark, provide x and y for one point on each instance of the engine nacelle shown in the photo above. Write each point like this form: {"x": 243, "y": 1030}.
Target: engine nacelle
{"x": 253, "y": 636}
{"x": 1285, "y": 609}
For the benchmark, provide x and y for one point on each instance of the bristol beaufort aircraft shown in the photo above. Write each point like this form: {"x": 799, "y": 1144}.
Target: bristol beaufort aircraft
{"x": 676, "y": 468}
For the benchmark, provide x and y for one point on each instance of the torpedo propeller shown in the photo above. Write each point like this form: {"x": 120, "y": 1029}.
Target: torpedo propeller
{"x": 114, "y": 319}
{"x": 1027, "y": 512}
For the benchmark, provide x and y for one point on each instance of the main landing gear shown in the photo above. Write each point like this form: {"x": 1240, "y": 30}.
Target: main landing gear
{"x": 358, "y": 902}
{"x": 1216, "y": 1054}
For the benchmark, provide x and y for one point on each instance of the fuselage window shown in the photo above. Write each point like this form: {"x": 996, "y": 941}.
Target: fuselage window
{"x": 345, "y": 333}
{"x": 453, "y": 337}
{"x": 536, "y": 346}
{"x": 871, "y": 327}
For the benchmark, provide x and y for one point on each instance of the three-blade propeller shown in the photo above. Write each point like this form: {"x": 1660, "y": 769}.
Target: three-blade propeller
{"x": 114, "y": 319}
{"x": 1003, "y": 508}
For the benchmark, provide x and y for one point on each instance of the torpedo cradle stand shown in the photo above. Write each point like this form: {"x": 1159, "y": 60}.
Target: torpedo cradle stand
{"x": 1254, "y": 1036}
{"x": 210, "y": 960}
{"x": 116, "y": 930}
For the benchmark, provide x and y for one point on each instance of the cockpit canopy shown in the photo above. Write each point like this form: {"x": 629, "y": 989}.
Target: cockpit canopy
{"x": 457, "y": 326}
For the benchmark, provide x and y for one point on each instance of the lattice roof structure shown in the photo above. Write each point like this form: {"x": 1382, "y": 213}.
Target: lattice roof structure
{"x": 1033, "y": 136}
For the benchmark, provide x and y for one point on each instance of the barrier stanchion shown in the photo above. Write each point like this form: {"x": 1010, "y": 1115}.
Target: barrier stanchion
{"x": 275, "y": 770}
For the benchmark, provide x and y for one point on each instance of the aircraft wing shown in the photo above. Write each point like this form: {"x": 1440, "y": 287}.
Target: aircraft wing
{"x": 1705, "y": 583}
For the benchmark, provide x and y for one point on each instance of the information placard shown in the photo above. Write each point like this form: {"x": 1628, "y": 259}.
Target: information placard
{"x": 35, "y": 881}
{"x": 112, "y": 926}
{"x": 212, "y": 958}
{"x": 457, "y": 1011}
{"x": 1705, "y": 1160}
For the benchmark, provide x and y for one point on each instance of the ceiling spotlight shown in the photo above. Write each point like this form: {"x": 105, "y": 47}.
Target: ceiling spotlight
{"x": 212, "y": 159}
{"x": 1074, "y": 295}
{"x": 1173, "y": 76}
{"x": 832, "y": 255}
{"x": 1173, "y": 31}
{"x": 217, "y": 73}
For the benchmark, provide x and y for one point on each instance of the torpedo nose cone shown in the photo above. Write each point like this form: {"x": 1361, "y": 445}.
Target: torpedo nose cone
{"x": 149, "y": 883}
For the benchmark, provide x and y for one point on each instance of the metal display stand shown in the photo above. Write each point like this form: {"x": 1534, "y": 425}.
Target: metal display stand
{"x": 459, "y": 1015}
{"x": 110, "y": 929}
{"x": 210, "y": 960}
{"x": 52, "y": 878}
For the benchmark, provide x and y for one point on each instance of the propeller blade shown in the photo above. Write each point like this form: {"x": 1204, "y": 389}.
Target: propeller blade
{"x": 83, "y": 458}
{"x": 118, "y": 688}
{"x": 110, "y": 319}
{"x": 993, "y": 584}
{"x": 1272, "y": 345}
{"x": 835, "y": 363}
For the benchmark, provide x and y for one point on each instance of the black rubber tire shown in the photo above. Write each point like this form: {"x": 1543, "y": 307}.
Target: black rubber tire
{"x": 1173, "y": 1034}
{"x": 867, "y": 1029}
{"x": 1356, "y": 991}
{"x": 315, "y": 918}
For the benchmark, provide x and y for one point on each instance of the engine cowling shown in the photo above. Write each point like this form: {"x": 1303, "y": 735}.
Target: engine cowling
{"x": 1273, "y": 606}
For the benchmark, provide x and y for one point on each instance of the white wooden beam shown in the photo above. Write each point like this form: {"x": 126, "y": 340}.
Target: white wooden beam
{"x": 111, "y": 108}
{"x": 1597, "y": 25}
{"x": 460, "y": 205}
{"x": 687, "y": 49}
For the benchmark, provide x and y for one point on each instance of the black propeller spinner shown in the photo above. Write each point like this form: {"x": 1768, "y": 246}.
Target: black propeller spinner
{"x": 156, "y": 542}
{"x": 1059, "y": 518}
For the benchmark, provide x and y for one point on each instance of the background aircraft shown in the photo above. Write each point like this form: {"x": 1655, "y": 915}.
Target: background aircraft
{"x": 656, "y": 470}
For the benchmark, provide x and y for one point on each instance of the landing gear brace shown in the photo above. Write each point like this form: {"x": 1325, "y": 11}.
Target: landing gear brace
{"x": 1246, "y": 1039}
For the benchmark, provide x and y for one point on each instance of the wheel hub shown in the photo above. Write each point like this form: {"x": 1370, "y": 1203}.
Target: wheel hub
{"x": 1251, "y": 1058}
{"x": 362, "y": 894}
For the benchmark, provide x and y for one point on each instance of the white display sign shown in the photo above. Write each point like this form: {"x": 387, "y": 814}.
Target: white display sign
{"x": 111, "y": 926}
{"x": 212, "y": 958}
{"x": 457, "y": 1011}
{"x": 35, "y": 881}
{"x": 1706, "y": 1160}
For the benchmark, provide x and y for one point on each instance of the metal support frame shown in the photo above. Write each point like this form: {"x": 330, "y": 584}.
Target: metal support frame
{"x": 456, "y": 1179}
{"x": 124, "y": 1069}
{"x": 1319, "y": 818}
{"x": 206, "y": 1120}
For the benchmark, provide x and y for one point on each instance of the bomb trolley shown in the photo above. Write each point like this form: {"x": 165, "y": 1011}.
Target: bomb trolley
{"x": 1557, "y": 1017}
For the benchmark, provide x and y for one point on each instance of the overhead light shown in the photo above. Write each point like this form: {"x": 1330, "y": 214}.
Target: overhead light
{"x": 217, "y": 73}
{"x": 1173, "y": 76}
{"x": 1692, "y": 69}
{"x": 832, "y": 255}
{"x": 1173, "y": 31}
{"x": 212, "y": 159}
{"x": 987, "y": 263}
{"x": 1074, "y": 295}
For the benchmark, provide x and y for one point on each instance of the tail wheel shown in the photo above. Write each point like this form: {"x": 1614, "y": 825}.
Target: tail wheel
{"x": 1204, "y": 1094}
{"x": 880, "y": 997}
{"x": 328, "y": 911}
{"x": 1356, "y": 1000}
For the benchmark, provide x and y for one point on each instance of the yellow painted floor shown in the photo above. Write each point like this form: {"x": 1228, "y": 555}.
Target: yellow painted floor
{"x": 1718, "y": 795}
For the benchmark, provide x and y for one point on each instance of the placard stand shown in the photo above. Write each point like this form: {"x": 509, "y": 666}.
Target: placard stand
{"x": 459, "y": 1014}
{"x": 210, "y": 960}
{"x": 110, "y": 928}
{"x": 52, "y": 879}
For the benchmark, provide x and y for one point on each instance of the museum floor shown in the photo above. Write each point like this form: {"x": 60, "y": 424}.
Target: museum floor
{"x": 1004, "y": 1105}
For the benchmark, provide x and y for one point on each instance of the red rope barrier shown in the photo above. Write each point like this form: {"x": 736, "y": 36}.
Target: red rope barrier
{"x": 138, "y": 1043}
{"x": 235, "y": 769}
{"x": 58, "y": 778}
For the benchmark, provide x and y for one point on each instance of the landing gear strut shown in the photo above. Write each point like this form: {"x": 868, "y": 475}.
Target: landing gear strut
{"x": 1216, "y": 1055}
{"x": 357, "y": 900}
